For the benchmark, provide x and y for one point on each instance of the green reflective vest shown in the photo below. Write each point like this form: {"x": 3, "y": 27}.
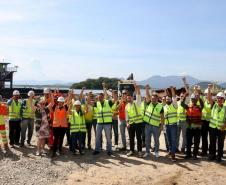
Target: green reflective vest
{"x": 217, "y": 116}
{"x": 143, "y": 108}
{"x": 153, "y": 114}
{"x": 206, "y": 111}
{"x": 134, "y": 113}
{"x": 170, "y": 114}
{"x": 77, "y": 122}
{"x": 14, "y": 110}
{"x": 181, "y": 112}
{"x": 104, "y": 114}
{"x": 28, "y": 112}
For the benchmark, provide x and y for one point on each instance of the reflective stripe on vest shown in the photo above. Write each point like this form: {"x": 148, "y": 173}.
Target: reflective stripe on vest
{"x": 78, "y": 123}
{"x": 28, "y": 112}
{"x": 153, "y": 114}
{"x": 217, "y": 116}
{"x": 181, "y": 112}
{"x": 170, "y": 114}
{"x": 104, "y": 114}
{"x": 60, "y": 117}
{"x": 206, "y": 111}
{"x": 14, "y": 110}
{"x": 134, "y": 114}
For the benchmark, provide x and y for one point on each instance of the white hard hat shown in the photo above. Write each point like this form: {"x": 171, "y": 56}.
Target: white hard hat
{"x": 77, "y": 102}
{"x": 225, "y": 92}
{"x": 16, "y": 93}
{"x": 61, "y": 99}
{"x": 46, "y": 91}
{"x": 221, "y": 95}
{"x": 31, "y": 93}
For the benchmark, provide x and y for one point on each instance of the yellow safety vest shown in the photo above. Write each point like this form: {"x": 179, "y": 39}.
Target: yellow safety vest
{"x": 14, "y": 110}
{"x": 104, "y": 114}
{"x": 181, "y": 112}
{"x": 206, "y": 111}
{"x": 78, "y": 123}
{"x": 28, "y": 112}
{"x": 153, "y": 114}
{"x": 170, "y": 114}
{"x": 134, "y": 113}
{"x": 217, "y": 116}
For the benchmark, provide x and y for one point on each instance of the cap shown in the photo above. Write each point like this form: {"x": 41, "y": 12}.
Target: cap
{"x": 16, "y": 93}
{"x": 61, "y": 99}
{"x": 31, "y": 93}
{"x": 77, "y": 102}
{"x": 220, "y": 95}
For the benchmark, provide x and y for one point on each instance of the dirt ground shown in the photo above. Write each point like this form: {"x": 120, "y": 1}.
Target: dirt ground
{"x": 21, "y": 166}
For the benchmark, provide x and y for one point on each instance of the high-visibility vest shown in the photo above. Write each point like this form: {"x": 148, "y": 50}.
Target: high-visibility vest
{"x": 78, "y": 123}
{"x": 14, "y": 110}
{"x": 170, "y": 114}
{"x": 217, "y": 116}
{"x": 206, "y": 111}
{"x": 114, "y": 109}
{"x": 153, "y": 114}
{"x": 104, "y": 114}
{"x": 181, "y": 112}
{"x": 194, "y": 115}
{"x": 143, "y": 108}
{"x": 225, "y": 103}
{"x": 94, "y": 113}
{"x": 60, "y": 117}
{"x": 134, "y": 113}
{"x": 28, "y": 112}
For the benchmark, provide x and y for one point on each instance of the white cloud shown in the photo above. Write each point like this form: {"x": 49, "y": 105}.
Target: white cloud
{"x": 6, "y": 17}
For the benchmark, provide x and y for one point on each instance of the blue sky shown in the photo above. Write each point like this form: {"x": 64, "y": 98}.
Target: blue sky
{"x": 72, "y": 40}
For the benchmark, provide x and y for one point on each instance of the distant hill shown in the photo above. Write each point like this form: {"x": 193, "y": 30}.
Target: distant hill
{"x": 161, "y": 82}
{"x": 111, "y": 83}
{"x": 223, "y": 85}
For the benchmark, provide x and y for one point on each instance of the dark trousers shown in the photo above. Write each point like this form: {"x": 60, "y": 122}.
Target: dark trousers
{"x": 58, "y": 134}
{"x": 14, "y": 132}
{"x": 143, "y": 134}
{"x": 193, "y": 134}
{"x": 77, "y": 138}
{"x": 204, "y": 133}
{"x": 115, "y": 129}
{"x": 217, "y": 137}
{"x": 89, "y": 126}
{"x": 135, "y": 130}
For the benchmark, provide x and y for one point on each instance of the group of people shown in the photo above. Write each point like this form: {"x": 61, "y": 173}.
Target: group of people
{"x": 198, "y": 116}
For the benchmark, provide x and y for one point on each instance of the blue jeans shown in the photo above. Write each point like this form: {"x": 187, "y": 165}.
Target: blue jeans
{"x": 107, "y": 130}
{"x": 149, "y": 130}
{"x": 171, "y": 131}
{"x": 122, "y": 125}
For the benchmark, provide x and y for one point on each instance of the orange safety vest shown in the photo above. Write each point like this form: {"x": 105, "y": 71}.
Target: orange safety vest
{"x": 60, "y": 117}
{"x": 194, "y": 115}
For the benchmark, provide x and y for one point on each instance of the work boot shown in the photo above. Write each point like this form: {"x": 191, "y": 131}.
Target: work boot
{"x": 131, "y": 153}
{"x": 146, "y": 155}
{"x": 96, "y": 153}
{"x": 173, "y": 158}
{"x": 140, "y": 154}
{"x": 109, "y": 153}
